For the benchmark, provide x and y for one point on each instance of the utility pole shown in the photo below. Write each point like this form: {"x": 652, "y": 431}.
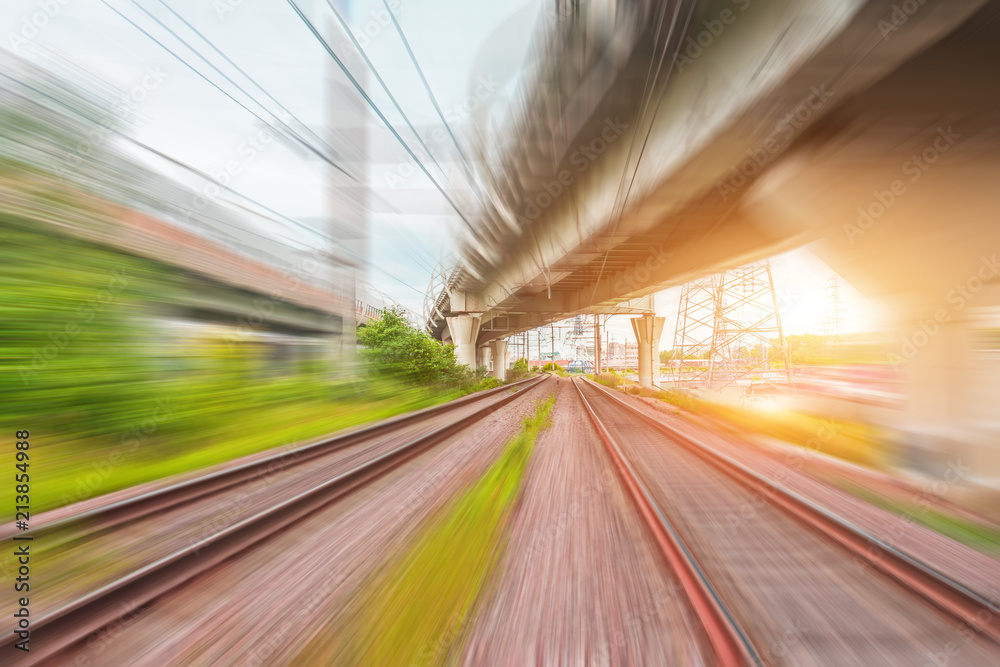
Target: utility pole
{"x": 597, "y": 343}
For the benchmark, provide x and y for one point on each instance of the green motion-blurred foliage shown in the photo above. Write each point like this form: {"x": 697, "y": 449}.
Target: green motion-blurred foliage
{"x": 79, "y": 359}
{"x": 113, "y": 397}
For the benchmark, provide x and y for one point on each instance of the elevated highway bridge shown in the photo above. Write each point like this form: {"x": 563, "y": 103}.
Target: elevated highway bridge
{"x": 659, "y": 142}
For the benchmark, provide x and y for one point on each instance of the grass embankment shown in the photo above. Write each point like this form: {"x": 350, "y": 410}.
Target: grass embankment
{"x": 975, "y": 535}
{"x": 118, "y": 388}
{"x": 419, "y": 604}
{"x": 615, "y": 381}
{"x": 73, "y": 471}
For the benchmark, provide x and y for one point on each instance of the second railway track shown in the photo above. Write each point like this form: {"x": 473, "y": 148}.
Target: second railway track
{"x": 785, "y": 574}
{"x": 56, "y": 629}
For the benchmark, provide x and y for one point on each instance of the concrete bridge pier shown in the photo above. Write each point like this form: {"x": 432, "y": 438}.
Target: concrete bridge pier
{"x": 951, "y": 362}
{"x": 464, "y": 330}
{"x": 483, "y": 356}
{"x": 498, "y": 350}
{"x": 647, "y": 331}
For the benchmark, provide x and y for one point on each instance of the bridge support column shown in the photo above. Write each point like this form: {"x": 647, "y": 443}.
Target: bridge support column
{"x": 482, "y": 356}
{"x": 464, "y": 331}
{"x": 647, "y": 331}
{"x": 498, "y": 349}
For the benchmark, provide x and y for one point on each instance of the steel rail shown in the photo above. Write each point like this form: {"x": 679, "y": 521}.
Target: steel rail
{"x": 730, "y": 642}
{"x": 63, "y": 628}
{"x": 157, "y": 500}
{"x": 957, "y": 600}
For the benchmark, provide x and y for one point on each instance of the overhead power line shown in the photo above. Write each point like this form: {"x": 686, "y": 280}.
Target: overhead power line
{"x": 285, "y": 130}
{"x": 427, "y": 87}
{"x": 374, "y": 107}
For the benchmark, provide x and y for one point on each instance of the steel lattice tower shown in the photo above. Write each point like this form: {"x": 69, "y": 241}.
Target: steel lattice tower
{"x": 834, "y": 308}
{"x": 733, "y": 316}
{"x": 695, "y": 326}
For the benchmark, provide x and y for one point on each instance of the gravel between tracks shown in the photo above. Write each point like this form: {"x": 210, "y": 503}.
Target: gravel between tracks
{"x": 583, "y": 582}
{"x": 803, "y": 600}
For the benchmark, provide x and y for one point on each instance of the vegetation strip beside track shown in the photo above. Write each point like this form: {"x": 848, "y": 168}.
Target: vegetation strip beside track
{"x": 970, "y": 533}
{"x": 421, "y": 603}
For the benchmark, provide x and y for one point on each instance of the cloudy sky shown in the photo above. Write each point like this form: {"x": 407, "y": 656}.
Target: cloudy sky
{"x": 470, "y": 52}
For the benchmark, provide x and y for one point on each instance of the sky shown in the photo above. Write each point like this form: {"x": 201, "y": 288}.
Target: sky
{"x": 471, "y": 54}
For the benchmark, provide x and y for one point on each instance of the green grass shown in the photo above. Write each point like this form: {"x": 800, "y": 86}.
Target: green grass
{"x": 419, "y": 605}
{"x": 64, "y": 471}
{"x": 615, "y": 381}
{"x": 979, "y": 537}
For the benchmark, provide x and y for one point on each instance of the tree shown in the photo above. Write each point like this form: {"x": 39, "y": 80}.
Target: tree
{"x": 394, "y": 347}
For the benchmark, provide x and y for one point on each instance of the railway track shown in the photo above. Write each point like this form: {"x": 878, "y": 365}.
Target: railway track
{"x": 728, "y": 569}
{"x": 57, "y": 630}
{"x": 136, "y": 507}
{"x": 730, "y": 642}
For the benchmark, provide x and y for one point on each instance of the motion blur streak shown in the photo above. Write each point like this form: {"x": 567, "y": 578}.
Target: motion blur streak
{"x": 294, "y": 298}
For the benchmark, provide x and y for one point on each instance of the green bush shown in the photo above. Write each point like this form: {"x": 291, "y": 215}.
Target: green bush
{"x": 518, "y": 371}
{"x": 393, "y": 347}
{"x": 488, "y": 383}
